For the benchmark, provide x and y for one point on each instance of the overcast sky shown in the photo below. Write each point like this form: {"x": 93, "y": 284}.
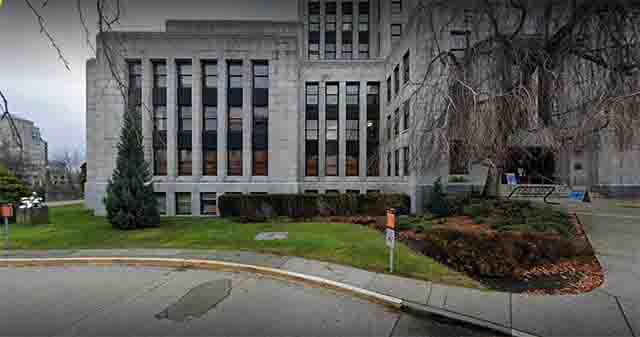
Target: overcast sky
{"x": 39, "y": 87}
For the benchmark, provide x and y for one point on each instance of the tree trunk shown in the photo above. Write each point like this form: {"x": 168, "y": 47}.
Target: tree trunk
{"x": 492, "y": 184}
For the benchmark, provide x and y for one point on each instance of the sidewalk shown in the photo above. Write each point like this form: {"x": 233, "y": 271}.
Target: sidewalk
{"x": 612, "y": 310}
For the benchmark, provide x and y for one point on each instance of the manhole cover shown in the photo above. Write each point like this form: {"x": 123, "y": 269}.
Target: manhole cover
{"x": 265, "y": 236}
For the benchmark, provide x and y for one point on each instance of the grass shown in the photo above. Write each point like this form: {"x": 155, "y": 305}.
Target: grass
{"x": 73, "y": 227}
{"x": 629, "y": 205}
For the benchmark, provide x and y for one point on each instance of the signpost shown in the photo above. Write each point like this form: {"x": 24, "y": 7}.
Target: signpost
{"x": 391, "y": 235}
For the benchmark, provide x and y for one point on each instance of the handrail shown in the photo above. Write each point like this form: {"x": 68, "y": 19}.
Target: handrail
{"x": 552, "y": 188}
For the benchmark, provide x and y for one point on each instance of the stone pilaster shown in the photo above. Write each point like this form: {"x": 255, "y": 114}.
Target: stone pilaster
{"x": 363, "y": 129}
{"x": 147, "y": 110}
{"x": 342, "y": 129}
{"x": 247, "y": 117}
{"x": 322, "y": 128}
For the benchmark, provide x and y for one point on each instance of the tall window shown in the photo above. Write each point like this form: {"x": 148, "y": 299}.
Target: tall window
{"x": 373, "y": 128}
{"x": 396, "y": 123}
{"x": 314, "y": 30}
{"x": 396, "y": 33}
{"x": 234, "y": 127}
{"x": 389, "y": 127}
{"x": 347, "y": 30}
{"x": 161, "y": 200}
{"x": 183, "y": 203}
{"x": 396, "y": 80}
{"x": 260, "y": 118}
{"x": 208, "y": 203}
{"x": 210, "y": 118}
{"x": 332, "y": 129}
{"x": 353, "y": 129}
{"x": 159, "y": 118}
{"x": 397, "y": 163}
{"x": 330, "y": 31}
{"x": 389, "y": 164}
{"x": 406, "y": 161}
{"x": 184, "y": 118}
{"x": 406, "y": 114}
{"x": 363, "y": 29}
{"x": 406, "y": 67}
{"x": 388, "y": 89}
{"x": 135, "y": 87}
{"x": 396, "y": 6}
{"x": 311, "y": 129}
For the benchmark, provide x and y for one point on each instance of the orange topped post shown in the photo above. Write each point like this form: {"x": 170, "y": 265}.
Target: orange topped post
{"x": 391, "y": 218}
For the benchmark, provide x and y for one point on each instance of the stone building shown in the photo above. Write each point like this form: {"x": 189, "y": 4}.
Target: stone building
{"x": 34, "y": 149}
{"x": 322, "y": 104}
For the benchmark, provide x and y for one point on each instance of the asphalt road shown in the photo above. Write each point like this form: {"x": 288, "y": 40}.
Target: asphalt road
{"x": 140, "y": 301}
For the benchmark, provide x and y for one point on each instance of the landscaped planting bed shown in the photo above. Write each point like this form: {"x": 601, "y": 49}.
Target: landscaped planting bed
{"x": 517, "y": 246}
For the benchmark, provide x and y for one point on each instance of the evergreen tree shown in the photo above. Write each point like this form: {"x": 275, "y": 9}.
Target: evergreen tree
{"x": 130, "y": 201}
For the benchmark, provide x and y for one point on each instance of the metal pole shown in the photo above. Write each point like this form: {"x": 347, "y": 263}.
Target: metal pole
{"x": 6, "y": 233}
{"x": 391, "y": 258}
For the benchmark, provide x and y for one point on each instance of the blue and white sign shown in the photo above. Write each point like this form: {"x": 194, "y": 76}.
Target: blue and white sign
{"x": 391, "y": 238}
{"x": 512, "y": 179}
{"x": 576, "y": 196}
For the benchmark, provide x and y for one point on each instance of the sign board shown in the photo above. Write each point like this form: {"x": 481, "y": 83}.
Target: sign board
{"x": 391, "y": 238}
{"x": 512, "y": 179}
{"x": 579, "y": 196}
{"x": 6, "y": 211}
{"x": 391, "y": 218}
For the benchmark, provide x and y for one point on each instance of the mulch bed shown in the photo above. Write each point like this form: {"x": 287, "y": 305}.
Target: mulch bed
{"x": 567, "y": 276}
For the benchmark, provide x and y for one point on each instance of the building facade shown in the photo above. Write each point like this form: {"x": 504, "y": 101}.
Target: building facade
{"x": 34, "y": 149}
{"x": 323, "y": 104}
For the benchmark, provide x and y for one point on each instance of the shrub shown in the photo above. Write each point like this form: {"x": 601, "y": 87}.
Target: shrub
{"x": 438, "y": 204}
{"x": 11, "y": 188}
{"x": 261, "y": 207}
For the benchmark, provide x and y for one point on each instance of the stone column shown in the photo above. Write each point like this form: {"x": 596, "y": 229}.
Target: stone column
{"x": 363, "y": 129}
{"x": 195, "y": 202}
{"x": 172, "y": 120}
{"x": 222, "y": 118}
{"x": 322, "y": 128}
{"x": 147, "y": 110}
{"x": 342, "y": 129}
{"x": 382, "y": 129}
{"x": 247, "y": 117}
{"x": 196, "y": 110}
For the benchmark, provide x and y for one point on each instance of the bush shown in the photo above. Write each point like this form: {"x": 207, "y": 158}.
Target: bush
{"x": 438, "y": 204}
{"x": 255, "y": 208}
{"x": 11, "y": 188}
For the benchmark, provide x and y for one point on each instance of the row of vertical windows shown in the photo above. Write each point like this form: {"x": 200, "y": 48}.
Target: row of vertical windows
{"x": 406, "y": 74}
{"x": 352, "y": 128}
{"x": 393, "y": 122}
{"x": 208, "y": 203}
{"x": 331, "y": 9}
{"x": 393, "y": 162}
{"x": 210, "y": 115}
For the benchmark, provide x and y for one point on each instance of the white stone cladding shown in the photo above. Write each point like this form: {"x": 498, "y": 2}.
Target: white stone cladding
{"x": 285, "y": 46}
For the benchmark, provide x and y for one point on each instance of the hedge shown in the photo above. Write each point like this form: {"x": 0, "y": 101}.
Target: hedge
{"x": 257, "y": 207}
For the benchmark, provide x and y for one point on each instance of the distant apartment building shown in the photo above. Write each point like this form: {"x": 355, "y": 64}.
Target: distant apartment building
{"x": 323, "y": 104}
{"x": 34, "y": 149}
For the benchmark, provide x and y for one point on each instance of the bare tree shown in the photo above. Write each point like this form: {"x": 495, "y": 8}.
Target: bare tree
{"x": 503, "y": 75}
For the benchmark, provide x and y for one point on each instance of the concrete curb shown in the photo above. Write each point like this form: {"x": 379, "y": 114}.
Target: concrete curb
{"x": 390, "y": 301}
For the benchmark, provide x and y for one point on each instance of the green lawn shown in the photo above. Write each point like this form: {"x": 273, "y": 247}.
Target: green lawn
{"x": 75, "y": 228}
